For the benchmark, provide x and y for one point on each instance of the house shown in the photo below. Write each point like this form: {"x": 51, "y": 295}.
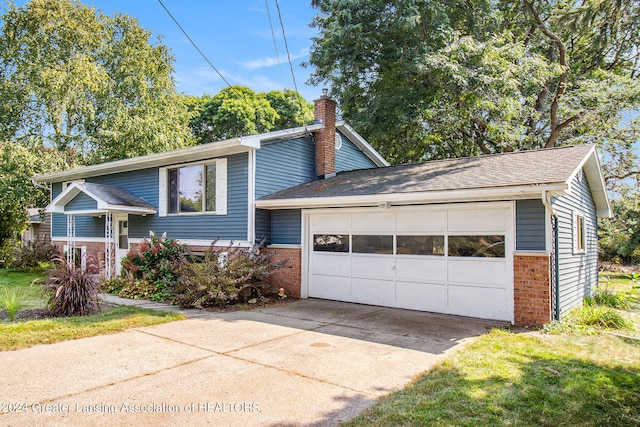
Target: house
{"x": 509, "y": 237}
{"x": 38, "y": 229}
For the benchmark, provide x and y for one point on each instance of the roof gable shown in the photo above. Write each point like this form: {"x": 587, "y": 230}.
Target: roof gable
{"x": 107, "y": 199}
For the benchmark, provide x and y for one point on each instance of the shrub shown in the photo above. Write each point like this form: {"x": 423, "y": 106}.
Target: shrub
{"x": 157, "y": 262}
{"x": 11, "y": 301}
{"x": 72, "y": 291}
{"x": 128, "y": 287}
{"x": 613, "y": 299}
{"x": 599, "y": 317}
{"x": 224, "y": 276}
{"x": 33, "y": 253}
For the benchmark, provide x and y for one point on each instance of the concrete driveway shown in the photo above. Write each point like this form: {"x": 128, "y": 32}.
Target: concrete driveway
{"x": 305, "y": 363}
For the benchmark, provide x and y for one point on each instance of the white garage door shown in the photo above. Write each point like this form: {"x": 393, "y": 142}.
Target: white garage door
{"x": 454, "y": 259}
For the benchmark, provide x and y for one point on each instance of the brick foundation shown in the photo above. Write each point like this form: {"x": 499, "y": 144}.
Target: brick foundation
{"x": 289, "y": 276}
{"x": 93, "y": 250}
{"x": 531, "y": 290}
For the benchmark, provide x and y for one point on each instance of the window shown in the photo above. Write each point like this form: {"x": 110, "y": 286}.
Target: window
{"x": 477, "y": 246}
{"x": 580, "y": 234}
{"x": 194, "y": 188}
{"x": 420, "y": 245}
{"x": 373, "y": 244}
{"x": 331, "y": 243}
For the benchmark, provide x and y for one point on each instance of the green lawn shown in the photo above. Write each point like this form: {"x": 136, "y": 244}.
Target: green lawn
{"x": 22, "y": 281}
{"x": 530, "y": 379}
{"x": 21, "y": 334}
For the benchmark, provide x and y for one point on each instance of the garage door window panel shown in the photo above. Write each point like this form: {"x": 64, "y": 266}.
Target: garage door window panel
{"x": 420, "y": 245}
{"x": 331, "y": 243}
{"x": 490, "y": 246}
{"x": 372, "y": 244}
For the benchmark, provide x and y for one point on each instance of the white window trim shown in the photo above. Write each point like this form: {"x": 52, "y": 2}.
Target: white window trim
{"x": 221, "y": 188}
{"x": 576, "y": 235}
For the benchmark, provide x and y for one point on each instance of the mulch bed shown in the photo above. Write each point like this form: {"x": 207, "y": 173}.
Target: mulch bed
{"x": 28, "y": 314}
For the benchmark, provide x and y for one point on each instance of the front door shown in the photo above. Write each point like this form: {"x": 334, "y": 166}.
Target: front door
{"x": 121, "y": 223}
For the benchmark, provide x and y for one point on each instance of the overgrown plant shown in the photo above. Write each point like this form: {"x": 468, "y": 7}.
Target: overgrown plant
{"x": 156, "y": 261}
{"x": 72, "y": 290}
{"x": 11, "y": 301}
{"x": 227, "y": 275}
{"x": 34, "y": 253}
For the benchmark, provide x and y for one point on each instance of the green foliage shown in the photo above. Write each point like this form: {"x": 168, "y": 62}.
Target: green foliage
{"x": 156, "y": 263}
{"x": 619, "y": 236}
{"x": 72, "y": 291}
{"x": 224, "y": 276}
{"x": 432, "y": 79}
{"x": 33, "y": 254}
{"x": 589, "y": 319}
{"x": 17, "y": 192}
{"x": 11, "y": 301}
{"x": 128, "y": 287}
{"x": 238, "y": 110}
{"x": 614, "y": 299}
{"x": 77, "y": 80}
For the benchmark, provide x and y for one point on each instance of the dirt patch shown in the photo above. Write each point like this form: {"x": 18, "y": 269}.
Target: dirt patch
{"x": 619, "y": 268}
{"x": 28, "y": 314}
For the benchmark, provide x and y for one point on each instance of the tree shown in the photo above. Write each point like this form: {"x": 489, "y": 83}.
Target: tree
{"x": 75, "y": 79}
{"x": 293, "y": 110}
{"x": 238, "y": 110}
{"x": 17, "y": 192}
{"x": 426, "y": 79}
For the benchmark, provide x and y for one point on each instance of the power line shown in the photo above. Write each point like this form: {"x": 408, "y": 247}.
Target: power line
{"x": 286, "y": 46}
{"x": 273, "y": 36}
{"x": 198, "y": 49}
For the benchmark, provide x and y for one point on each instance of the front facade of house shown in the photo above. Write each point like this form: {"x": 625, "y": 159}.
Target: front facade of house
{"x": 509, "y": 237}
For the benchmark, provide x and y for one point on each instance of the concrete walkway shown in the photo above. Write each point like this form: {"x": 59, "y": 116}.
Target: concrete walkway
{"x": 305, "y": 363}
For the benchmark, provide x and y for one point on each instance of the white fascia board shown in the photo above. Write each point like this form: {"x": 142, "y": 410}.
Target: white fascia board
{"x": 362, "y": 144}
{"x": 255, "y": 140}
{"x": 593, "y": 172}
{"x": 446, "y": 196}
{"x": 182, "y": 155}
{"x": 133, "y": 210}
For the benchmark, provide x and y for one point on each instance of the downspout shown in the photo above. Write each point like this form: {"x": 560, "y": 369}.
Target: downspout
{"x": 546, "y": 202}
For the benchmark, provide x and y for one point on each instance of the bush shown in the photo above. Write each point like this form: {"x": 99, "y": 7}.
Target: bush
{"x": 156, "y": 262}
{"x": 614, "y": 299}
{"x": 128, "y": 287}
{"x": 224, "y": 276}
{"x": 598, "y": 317}
{"x": 72, "y": 291}
{"x": 33, "y": 253}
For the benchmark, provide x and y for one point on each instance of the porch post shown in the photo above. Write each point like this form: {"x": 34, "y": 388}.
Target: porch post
{"x": 109, "y": 246}
{"x": 71, "y": 239}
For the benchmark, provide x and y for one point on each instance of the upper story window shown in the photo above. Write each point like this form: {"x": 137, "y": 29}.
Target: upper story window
{"x": 198, "y": 188}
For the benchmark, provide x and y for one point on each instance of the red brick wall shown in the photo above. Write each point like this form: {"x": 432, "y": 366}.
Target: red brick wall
{"x": 531, "y": 290}
{"x": 325, "y": 110}
{"x": 289, "y": 276}
{"x": 93, "y": 249}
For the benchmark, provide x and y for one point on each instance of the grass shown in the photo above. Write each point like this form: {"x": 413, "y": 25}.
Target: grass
{"x": 17, "y": 335}
{"x": 533, "y": 378}
{"x": 505, "y": 378}
{"x": 23, "y": 334}
{"x": 23, "y": 283}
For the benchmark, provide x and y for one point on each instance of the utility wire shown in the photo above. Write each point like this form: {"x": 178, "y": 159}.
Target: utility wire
{"x": 199, "y": 51}
{"x": 286, "y": 46}
{"x": 275, "y": 45}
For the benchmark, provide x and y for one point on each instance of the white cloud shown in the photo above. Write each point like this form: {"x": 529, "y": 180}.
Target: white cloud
{"x": 270, "y": 61}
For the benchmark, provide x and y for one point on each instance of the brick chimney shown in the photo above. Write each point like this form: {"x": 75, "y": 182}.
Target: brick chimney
{"x": 325, "y": 111}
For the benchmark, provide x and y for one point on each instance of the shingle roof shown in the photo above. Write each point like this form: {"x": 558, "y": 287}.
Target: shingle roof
{"x": 115, "y": 195}
{"x": 525, "y": 168}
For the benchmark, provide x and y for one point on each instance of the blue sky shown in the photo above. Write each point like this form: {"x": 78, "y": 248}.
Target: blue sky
{"x": 234, "y": 35}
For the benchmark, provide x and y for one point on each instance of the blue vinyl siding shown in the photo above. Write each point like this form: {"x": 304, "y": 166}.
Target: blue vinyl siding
{"x": 349, "y": 157}
{"x": 530, "y": 225}
{"x": 263, "y": 225}
{"x": 81, "y": 202}
{"x": 284, "y": 164}
{"x": 144, "y": 184}
{"x": 577, "y": 272}
{"x": 286, "y": 227}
